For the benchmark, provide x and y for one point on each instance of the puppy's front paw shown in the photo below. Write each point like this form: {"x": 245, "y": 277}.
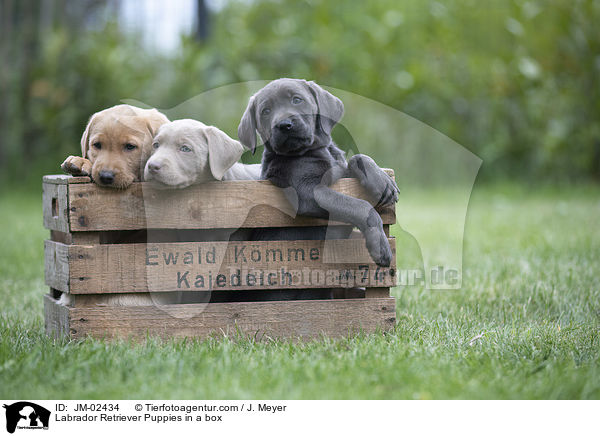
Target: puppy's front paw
{"x": 77, "y": 166}
{"x": 378, "y": 246}
{"x": 381, "y": 186}
{"x": 387, "y": 191}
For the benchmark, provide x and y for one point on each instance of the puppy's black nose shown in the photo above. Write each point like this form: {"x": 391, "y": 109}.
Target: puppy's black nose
{"x": 107, "y": 177}
{"x": 286, "y": 124}
{"x": 153, "y": 166}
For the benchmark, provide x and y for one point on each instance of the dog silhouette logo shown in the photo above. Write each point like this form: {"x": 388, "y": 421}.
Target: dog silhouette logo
{"x": 26, "y": 415}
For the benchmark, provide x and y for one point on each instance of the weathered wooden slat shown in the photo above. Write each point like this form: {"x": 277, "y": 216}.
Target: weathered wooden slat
{"x": 56, "y": 265}
{"x": 231, "y": 204}
{"x": 56, "y": 317}
{"x": 64, "y": 179}
{"x": 282, "y": 319}
{"x": 55, "y": 207}
{"x": 207, "y": 266}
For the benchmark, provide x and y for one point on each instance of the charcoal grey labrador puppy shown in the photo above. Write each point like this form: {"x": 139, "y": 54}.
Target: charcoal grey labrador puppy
{"x": 294, "y": 119}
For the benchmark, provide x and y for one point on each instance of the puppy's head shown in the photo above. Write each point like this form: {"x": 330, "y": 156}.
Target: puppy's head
{"x": 188, "y": 152}
{"x": 118, "y": 142}
{"x": 291, "y": 116}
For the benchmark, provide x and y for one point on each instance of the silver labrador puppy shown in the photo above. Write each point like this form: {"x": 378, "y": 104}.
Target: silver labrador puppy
{"x": 188, "y": 152}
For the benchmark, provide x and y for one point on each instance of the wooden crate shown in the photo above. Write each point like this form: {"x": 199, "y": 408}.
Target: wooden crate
{"x": 152, "y": 242}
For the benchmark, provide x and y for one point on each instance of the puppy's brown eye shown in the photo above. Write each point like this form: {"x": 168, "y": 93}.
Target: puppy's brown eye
{"x": 297, "y": 100}
{"x": 266, "y": 111}
{"x": 130, "y": 147}
{"x": 97, "y": 145}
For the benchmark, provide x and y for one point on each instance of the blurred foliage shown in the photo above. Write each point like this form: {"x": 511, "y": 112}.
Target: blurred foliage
{"x": 516, "y": 82}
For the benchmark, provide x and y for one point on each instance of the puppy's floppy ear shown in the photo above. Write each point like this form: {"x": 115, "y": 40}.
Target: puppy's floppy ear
{"x": 247, "y": 127}
{"x": 223, "y": 151}
{"x": 331, "y": 108}
{"x": 154, "y": 120}
{"x": 85, "y": 138}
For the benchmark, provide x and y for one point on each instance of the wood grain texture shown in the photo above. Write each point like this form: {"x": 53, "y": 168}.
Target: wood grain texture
{"x": 55, "y": 207}
{"x": 56, "y": 318}
{"x": 208, "y": 266}
{"x": 64, "y": 179}
{"x": 281, "y": 319}
{"x": 231, "y": 204}
{"x": 56, "y": 265}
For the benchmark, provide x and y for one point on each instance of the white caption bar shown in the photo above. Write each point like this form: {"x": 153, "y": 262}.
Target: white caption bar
{"x": 296, "y": 417}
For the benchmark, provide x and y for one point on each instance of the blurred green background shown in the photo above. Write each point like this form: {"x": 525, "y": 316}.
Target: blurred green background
{"x": 515, "y": 82}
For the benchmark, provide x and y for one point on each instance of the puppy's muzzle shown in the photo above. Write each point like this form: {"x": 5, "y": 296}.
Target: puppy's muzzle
{"x": 285, "y": 125}
{"x": 106, "y": 177}
{"x": 154, "y": 167}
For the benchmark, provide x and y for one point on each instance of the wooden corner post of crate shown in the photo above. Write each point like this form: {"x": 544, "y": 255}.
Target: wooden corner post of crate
{"x": 181, "y": 263}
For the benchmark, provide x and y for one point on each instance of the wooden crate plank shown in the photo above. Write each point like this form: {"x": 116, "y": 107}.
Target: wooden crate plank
{"x": 283, "y": 319}
{"x": 56, "y": 317}
{"x": 231, "y": 204}
{"x": 64, "y": 179}
{"x": 205, "y": 266}
{"x": 56, "y": 265}
{"x": 55, "y": 207}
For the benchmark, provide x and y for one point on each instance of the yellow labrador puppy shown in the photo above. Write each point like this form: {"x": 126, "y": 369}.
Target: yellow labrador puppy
{"x": 188, "y": 152}
{"x": 115, "y": 145}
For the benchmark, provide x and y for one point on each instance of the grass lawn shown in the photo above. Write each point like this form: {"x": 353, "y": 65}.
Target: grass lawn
{"x": 531, "y": 293}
